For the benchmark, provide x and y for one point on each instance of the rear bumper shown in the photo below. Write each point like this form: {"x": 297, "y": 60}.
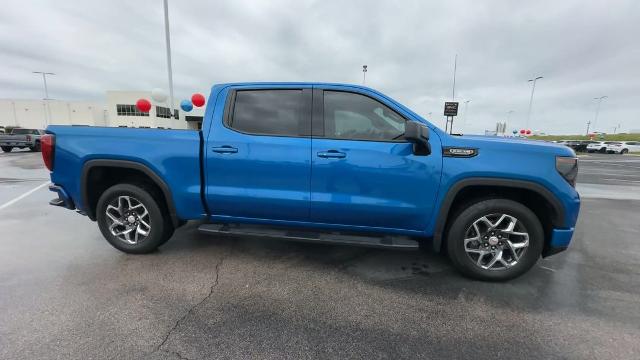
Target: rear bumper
{"x": 15, "y": 144}
{"x": 63, "y": 200}
{"x": 560, "y": 239}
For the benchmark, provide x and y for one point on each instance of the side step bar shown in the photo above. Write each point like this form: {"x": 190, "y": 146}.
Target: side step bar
{"x": 383, "y": 241}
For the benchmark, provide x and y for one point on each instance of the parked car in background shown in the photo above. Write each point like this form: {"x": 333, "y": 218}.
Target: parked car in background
{"x": 575, "y": 145}
{"x": 326, "y": 163}
{"x": 623, "y": 147}
{"x": 21, "y": 138}
{"x": 581, "y": 145}
{"x": 597, "y": 146}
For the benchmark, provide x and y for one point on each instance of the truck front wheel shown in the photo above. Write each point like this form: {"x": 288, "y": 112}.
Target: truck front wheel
{"x": 7, "y": 148}
{"x": 495, "y": 240}
{"x": 131, "y": 220}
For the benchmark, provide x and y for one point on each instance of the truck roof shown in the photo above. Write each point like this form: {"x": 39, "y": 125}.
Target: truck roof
{"x": 294, "y": 83}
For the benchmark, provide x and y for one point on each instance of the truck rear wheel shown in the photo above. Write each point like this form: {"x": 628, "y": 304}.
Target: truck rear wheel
{"x": 131, "y": 219}
{"x": 35, "y": 147}
{"x": 495, "y": 240}
{"x": 7, "y": 148}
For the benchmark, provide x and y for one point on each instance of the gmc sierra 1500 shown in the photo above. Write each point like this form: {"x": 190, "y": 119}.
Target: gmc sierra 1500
{"x": 324, "y": 163}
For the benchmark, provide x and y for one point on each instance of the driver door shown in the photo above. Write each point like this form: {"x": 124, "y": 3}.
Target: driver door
{"x": 364, "y": 174}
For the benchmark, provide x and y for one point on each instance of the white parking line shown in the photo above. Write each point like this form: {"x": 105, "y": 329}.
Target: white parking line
{"x": 11, "y": 202}
{"x": 633, "y": 181}
{"x": 617, "y": 163}
{"x": 602, "y": 173}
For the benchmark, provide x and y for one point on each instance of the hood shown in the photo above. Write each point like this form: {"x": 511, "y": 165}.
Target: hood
{"x": 508, "y": 144}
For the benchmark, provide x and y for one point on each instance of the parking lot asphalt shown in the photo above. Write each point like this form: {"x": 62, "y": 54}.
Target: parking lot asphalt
{"x": 66, "y": 293}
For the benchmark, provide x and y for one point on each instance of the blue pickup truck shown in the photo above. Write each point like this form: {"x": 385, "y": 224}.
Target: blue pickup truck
{"x": 318, "y": 162}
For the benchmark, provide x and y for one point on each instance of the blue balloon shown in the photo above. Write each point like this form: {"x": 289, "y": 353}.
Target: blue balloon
{"x": 186, "y": 105}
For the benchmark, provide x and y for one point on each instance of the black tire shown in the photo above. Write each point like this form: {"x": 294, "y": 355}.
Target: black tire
{"x": 624, "y": 151}
{"x": 36, "y": 147}
{"x": 603, "y": 150}
{"x": 465, "y": 219}
{"x": 161, "y": 228}
{"x": 7, "y": 148}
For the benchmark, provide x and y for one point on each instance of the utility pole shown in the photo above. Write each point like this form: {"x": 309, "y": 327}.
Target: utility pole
{"x": 533, "y": 89}
{"x": 595, "y": 120}
{"x": 588, "y": 125}
{"x": 168, "y": 43}
{"x": 616, "y": 128}
{"x": 364, "y": 74}
{"x": 47, "y": 110}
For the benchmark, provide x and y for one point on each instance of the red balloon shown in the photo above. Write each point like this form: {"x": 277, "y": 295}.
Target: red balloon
{"x": 197, "y": 100}
{"x": 528, "y": 132}
{"x": 143, "y": 105}
{"x": 522, "y": 131}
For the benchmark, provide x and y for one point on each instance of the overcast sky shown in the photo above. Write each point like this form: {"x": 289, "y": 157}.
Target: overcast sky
{"x": 584, "y": 49}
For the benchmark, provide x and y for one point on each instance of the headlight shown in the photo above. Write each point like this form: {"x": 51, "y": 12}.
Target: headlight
{"x": 568, "y": 168}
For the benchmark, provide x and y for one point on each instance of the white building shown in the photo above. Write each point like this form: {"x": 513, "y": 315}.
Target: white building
{"x": 119, "y": 109}
{"x": 36, "y": 114}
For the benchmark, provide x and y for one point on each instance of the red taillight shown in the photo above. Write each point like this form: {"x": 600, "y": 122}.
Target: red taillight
{"x": 48, "y": 146}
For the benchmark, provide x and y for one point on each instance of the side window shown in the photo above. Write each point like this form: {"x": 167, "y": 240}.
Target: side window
{"x": 358, "y": 117}
{"x": 269, "y": 112}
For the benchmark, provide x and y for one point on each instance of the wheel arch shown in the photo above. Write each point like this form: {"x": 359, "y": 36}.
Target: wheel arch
{"x": 502, "y": 187}
{"x": 89, "y": 199}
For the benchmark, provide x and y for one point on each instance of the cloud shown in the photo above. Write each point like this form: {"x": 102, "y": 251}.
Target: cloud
{"x": 583, "y": 50}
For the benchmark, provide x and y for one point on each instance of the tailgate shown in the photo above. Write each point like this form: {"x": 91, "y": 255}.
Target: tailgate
{"x": 13, "y": 140}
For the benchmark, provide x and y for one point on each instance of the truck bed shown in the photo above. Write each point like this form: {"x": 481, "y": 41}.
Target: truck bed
{"x": 173, "y": 155}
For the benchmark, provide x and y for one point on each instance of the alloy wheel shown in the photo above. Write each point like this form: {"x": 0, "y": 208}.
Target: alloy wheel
{"x": 128, "y": 219}
{"x": 496, "y": 241}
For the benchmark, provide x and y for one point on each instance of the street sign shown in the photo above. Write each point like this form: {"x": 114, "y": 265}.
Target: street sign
{"x": 450, "y": 108}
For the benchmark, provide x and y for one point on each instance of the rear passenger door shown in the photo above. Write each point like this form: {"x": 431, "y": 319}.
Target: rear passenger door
{"x": 258, "y": 156}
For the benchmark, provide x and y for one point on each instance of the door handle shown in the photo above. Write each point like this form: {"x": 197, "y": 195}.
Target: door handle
{"x": 226, "y": 149}
{"x": 332, "y": 154}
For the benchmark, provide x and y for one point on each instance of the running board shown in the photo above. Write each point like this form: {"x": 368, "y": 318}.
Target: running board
{"x": 383, "y": 241}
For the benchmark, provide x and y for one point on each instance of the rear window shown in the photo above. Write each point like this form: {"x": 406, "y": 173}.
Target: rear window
{"x": 22, "y": 131}
{"x": 269, "y": 112}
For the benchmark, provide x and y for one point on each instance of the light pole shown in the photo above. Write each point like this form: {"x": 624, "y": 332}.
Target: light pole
{"x": 595, "y": 120}
{"x": 466, "y": 106}
{"x": 455, "y": 68}
{"x": 168, "y": 42}
{"x": 508, "y": 117}
{"x": 364, "y": 74}
{"x": 509, "y": 114}
{"x": 47, "y": 112}
{"x": 533, "y": 89}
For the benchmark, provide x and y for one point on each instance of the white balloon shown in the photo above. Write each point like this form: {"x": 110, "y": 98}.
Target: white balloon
{"x": 158, "y": 95}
